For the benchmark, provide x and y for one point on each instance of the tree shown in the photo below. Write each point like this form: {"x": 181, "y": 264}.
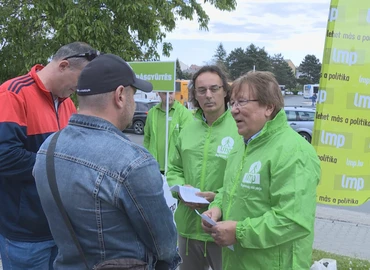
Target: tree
{"x": 310, "y": 69}
{"x": 32, "y": 30}
{"x": 283, "y": 73}
{"x": 259, "y": 57}
{"x": 220, "y": 58}
{"x": 240, "y": 62}
{"x": 179, "y": 74}
{"x": 187, "y": 75}
{"x": 237, "y": 63}
{"x": 220, "y": 54}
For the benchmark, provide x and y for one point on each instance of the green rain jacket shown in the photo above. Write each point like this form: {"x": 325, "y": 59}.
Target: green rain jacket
{"x": 180, "y": 118}
{"x": 200, "y": 160}
{"x": 270, "y": 189}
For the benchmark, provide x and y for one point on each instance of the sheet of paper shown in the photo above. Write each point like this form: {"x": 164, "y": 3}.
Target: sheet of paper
{"x": 212, "y": 222}
{"x": 188, "y": 194}
{"x": 206, "y": 218}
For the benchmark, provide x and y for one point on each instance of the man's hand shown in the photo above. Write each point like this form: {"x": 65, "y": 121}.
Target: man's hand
{"x": 224, "y": 233}
{"x": 193, "y": 206}
{"x": 215, "y": 215}
{"x": 208, "y": 195}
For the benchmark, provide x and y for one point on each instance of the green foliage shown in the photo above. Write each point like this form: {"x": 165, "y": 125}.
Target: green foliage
{"x": 238, "y": 63}
{"x": 74, "y": 99}
{"x": 32, "y": 30}
{"x": 179, "y": 74}
{"x": 283, "y": 73}
{"x": 220, "y": 54}
{"x": 241, "y": 61}
{"x": 310, "y": 68}
{"x": 260, "y": 58}
{"x": 220, "y": 58}
{"x": 187, "y": 75}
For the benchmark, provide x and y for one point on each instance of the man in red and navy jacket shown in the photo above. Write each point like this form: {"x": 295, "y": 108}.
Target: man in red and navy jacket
{"x": 33, "y": 106}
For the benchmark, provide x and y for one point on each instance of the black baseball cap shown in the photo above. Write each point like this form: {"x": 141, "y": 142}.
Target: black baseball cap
{"x": 105, "y": 73}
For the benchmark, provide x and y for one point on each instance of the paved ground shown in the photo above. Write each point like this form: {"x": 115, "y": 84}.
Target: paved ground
{"x": 341, "y": 232}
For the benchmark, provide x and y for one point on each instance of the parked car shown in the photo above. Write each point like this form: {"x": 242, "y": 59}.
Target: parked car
{"x": 141, "y": 112}
{"x": 301, "y": 119}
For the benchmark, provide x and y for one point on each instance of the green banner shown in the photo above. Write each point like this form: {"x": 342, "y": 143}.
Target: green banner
{"x": 161, "y": 74}
{"x": 342, "y": 125}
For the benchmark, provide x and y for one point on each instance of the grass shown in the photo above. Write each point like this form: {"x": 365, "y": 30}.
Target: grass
{"x": 343, "y": 262}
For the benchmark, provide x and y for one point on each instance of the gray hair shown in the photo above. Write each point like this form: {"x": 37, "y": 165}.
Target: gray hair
{"x": 71, "y": 49}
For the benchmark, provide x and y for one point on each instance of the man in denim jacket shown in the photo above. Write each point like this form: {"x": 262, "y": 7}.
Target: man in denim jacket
{"x": 110, "y": 187}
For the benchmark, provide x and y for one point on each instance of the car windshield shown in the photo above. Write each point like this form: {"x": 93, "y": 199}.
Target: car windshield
{"x": 306, "y": 116}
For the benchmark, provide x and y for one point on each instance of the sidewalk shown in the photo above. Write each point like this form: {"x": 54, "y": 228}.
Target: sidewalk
{"x": 341, "y": 232}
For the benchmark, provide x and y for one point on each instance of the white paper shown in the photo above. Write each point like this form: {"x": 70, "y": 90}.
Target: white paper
{"x": 170, "y": 200}
{"x": 188, "y": 194}
{"x": 206, "y": 218}
{"x": 212, "y": 222}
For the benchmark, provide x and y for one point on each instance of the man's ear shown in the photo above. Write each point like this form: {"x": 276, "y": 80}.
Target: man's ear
{"x": 63, "y": 65}
{"x": 269, "y": 110}
{"x": 119, "y": 96}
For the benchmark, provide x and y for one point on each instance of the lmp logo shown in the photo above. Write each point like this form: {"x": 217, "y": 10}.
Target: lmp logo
{"x": 352, "y": 183}
{"x": 344, "y": 57}
{"x": 362, "y": 101}
{"x": 333, "y": 15}
{"x": 321, "y": 96}
{"x": 253, "y": 177}
{"x": 337, "y": 140}
{"x": 225, "y": 148}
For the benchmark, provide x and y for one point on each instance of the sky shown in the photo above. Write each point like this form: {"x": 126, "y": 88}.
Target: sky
{"x": 291, "y": 28}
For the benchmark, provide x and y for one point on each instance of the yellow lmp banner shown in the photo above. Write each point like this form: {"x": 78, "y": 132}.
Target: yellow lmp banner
{"x": 342, "y": 124}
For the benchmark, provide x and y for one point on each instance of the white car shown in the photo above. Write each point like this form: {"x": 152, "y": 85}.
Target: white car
{"x": 301, "y": 119}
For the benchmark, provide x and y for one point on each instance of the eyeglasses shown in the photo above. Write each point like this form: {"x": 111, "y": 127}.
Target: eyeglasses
{"x": 91, "y": 55}
{"x": 241, "y": 102}
{"x": 203, "y": 90}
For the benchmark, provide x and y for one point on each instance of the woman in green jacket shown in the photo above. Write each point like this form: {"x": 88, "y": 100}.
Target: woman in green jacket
{"x": 268, "y": 203}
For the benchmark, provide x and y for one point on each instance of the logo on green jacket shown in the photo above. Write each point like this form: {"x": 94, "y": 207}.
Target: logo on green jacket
{"x": 225, "y": 148}
{"x": 252, "y": 177}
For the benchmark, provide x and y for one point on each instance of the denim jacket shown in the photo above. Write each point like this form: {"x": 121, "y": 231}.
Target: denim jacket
{"x": 112, "y": 191}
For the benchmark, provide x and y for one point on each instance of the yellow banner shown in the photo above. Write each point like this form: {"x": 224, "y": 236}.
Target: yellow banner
{"x": 342, "y": 125}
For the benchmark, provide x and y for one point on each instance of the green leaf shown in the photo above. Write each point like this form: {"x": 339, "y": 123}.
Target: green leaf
{"x": 31, "y": 31}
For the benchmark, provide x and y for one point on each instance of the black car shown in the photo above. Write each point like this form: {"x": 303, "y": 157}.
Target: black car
{"x": 141, "y": 112}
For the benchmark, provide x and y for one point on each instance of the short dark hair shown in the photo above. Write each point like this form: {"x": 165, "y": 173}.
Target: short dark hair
{"x": 211, "y": 69}
{"x": 71, "y": 49}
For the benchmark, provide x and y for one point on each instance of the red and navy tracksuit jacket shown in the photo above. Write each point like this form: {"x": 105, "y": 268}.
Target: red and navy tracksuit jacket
{"x": 27, "y": 117}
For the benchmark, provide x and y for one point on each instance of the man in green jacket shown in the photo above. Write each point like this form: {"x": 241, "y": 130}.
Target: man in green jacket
{"x": 155, "y": 127}
{"x": 268, "y": 203}
{"x": 199, "y": 161}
